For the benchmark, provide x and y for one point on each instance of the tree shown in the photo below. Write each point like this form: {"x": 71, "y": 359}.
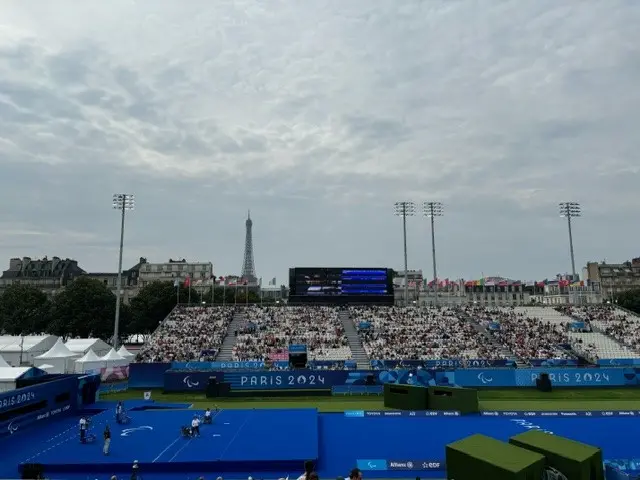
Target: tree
{"x": 86, "y": 308}
{"x": 24, "y": 309}
{"x": 152, "y": 304}
{"x": 630, "y": 300}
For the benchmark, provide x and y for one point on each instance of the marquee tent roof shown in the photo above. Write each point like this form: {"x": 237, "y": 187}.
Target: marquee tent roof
{"x": 90, "y": 356}
{"x": 3, "y": 363}
{"x": 123, "y": 352}
{"x": 59, "y": 350}
{"x": 83, "y": 345}
{"x": 112, "y": 355}
{"x": 15, "y": 344}
{"x": 12, "y": 374}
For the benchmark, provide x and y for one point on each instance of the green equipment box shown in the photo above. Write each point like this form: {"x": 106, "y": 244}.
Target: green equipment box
{"x": 575, "y": 460}
{"x": 479, "y": 457}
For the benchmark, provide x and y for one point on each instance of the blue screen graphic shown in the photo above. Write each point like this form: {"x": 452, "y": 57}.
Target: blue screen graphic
{"x": 319, "y": 282}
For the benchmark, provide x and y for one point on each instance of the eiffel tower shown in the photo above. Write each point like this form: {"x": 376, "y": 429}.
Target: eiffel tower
{"x": 248, "y": 266}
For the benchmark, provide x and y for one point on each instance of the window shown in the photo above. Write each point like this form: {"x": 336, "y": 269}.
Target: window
{"x": 63, "y": 397}
{"x": 16, "y": 412}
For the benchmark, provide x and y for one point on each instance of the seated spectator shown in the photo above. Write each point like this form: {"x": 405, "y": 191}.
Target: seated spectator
{"x": 413, "y": 333}
{"x": 186, "y": 333}
{"x": 268, "y": 332}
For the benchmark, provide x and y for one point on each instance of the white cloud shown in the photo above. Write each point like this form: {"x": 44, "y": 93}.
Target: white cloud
{"x": 317, "y": 116}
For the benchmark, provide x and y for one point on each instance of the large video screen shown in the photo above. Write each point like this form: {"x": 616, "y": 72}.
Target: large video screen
{"x": 333, "y": 282}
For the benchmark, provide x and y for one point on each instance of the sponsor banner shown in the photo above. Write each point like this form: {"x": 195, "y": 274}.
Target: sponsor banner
{"x": 591, "y": 413}
{"x": 400, "y": 465}
{"x": 400, "y": 413}
{"x": 17, "y": 424}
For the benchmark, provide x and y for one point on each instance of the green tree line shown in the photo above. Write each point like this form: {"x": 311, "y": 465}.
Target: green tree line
{"x": 86, "y": 308}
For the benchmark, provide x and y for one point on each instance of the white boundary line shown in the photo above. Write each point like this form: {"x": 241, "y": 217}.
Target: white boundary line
{"x": 236, "y": 435}
{"x": 165, "y": 450}
{"x": 180, "y": 449}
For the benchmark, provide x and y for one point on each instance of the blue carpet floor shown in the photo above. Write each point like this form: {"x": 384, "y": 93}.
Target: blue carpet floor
{"x": 274, "y": 443}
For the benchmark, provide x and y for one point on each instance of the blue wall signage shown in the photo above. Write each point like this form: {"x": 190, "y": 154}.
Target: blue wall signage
{"x": 246, "y": 365}
{"x": 445, "y": 363}
{"x": 553, "y": 362}
{"x": 44, "y": 395}
{"x": 297, "y": 348}
{"x": 592, "y": 413}
{"x": 13, "y": 399}
{"x": 143, "y": 376}
{"x": 619, "y": 362}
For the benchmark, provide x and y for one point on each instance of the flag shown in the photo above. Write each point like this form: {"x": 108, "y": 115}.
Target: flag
{"x": 273, "y": 281}
{"x": 176, "y": 283}
{"x": 221, "y": 280}
{"x": 187, "y": 281}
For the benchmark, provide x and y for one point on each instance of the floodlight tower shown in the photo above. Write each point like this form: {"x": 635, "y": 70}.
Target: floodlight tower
{"x": 433, "y": 210}
{"x": 570, "y": 210}
{"x": 121, "y": 202}
{"x": 404, "y": 210}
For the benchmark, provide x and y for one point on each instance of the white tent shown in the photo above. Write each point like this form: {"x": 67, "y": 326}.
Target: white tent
{"x": 3, "y": 364}
{"x": 47, "y": 368}
{"x": 81, "y": 346}
{"x": 59, "y": 356}
{"x": 114, "y": 359}
{"x": 9, "y": 376}
{"x": 89, "y": 362}
{"x": 124, "y": 353}
{"x": 17, "y": 350}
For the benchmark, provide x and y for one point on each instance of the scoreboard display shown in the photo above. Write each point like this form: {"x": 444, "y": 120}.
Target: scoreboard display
{"x": 340, "y": 282}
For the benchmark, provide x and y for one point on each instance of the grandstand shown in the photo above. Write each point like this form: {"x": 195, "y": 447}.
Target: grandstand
{"x": 256, "y": 333}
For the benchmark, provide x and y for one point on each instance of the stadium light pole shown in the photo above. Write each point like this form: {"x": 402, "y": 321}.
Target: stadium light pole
{"x": 433, "y": 210}
{"x": 570, "y": 210}
{"x": 121, "y": 202}
{"x": 404, "y": 210}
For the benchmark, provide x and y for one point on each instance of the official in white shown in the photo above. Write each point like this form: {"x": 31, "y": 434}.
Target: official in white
{"x": 207, "y": 417}
{"x": 195, "y": 426}
{"x": 83, "y": 424}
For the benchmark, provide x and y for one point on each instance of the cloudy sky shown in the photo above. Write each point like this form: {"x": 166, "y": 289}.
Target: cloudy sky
{"x": 318, "y": 116}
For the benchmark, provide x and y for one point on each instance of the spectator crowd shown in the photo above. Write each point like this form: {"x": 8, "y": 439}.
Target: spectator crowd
{"x": 268, "y": 332}
{"x": 188, "y": 334}
{"x": 527, "y": 332}
{"x": 414, "y": 333}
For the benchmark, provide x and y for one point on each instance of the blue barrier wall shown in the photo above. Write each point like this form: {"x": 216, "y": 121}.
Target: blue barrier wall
{"x": 25, "y": 406}
{"x": 147, "y": 375}
{"x": 159, "y": 376}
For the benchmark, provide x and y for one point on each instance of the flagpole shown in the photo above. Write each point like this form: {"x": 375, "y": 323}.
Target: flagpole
{"x": 246, "y": 293}
{"x": 178, "y": 292}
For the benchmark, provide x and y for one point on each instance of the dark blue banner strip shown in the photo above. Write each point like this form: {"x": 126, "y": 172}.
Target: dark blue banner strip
{"x": 400, "y": 465}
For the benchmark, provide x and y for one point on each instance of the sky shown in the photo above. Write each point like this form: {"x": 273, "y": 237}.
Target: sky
{"x": 318, "y": 116}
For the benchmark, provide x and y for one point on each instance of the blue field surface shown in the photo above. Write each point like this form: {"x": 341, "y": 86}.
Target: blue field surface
{"x": 274, "y": 443}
